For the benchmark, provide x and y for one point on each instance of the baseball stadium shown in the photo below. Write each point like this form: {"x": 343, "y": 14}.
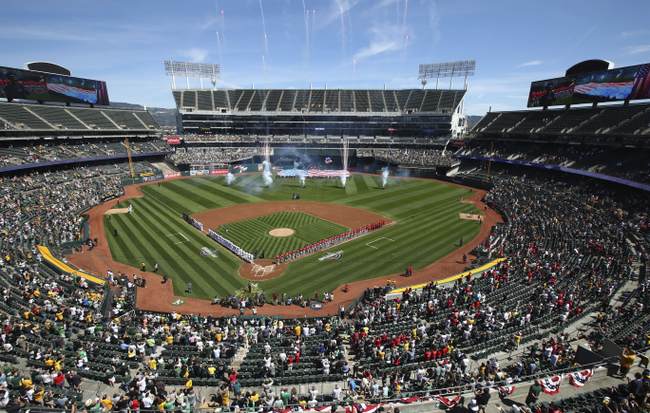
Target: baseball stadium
{"x": 357, "y": 231}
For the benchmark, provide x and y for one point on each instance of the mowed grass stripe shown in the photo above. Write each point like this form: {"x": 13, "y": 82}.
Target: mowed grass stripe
{"x": 226, "y": 262}
{"x": 253, "y": 235}
{"x": 398, "y": 234}
{"x": 170, "y": 194}
{"x": 119, "y": 250}
{"x": 318, "y": 230}
{"x": 463, "y": 230}
{"x": 189, "y": 255}
{"x": 351, "y": 186}
{"x": 382, "y": 262}
{"x": 372, "y": 182}
{"x": 131, "y": 241}
{"x": 379, "y": 194}
{"x": 318, "y": 284}
{"x": 186, "y": 191}
{"x": 172, "y": 191}
{"x": 229, "y": 193}
{"x": 203, "y": 190}
{"x": 392, "y": 204}
{"x": 151, "y": 251}
{"x": 244, "y": 230}
{"x": 360, "y": 183}
{"x": 168, "y": 201}
{"x": 166, "y": 247}
{"x": 419, "y": 207}
{"x": 411, "y": 209}
{"x": 358, "y": 255}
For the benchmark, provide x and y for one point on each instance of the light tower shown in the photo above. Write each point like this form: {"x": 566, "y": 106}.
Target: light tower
{"x": 450, "y": 70}
{"x": 188, "y": 70}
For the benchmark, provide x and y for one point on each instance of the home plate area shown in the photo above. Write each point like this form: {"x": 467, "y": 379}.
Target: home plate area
{"x": 376, "y": 243}
{"x": 261, "y": 271}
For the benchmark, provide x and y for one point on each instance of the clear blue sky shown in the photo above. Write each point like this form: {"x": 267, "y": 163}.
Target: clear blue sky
{"x": 344, "y": 43}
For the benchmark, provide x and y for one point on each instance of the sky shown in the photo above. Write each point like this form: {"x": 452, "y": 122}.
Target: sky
{"x": 324, "y": 43}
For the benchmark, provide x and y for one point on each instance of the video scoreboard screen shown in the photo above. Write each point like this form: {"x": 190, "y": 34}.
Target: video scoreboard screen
{"x": 624, "y": 83}
{"x": 48, "y": 87}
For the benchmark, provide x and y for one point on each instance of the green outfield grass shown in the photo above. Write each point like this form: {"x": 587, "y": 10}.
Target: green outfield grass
{"x": 427, "y": 227}
{"x": 252, "y": 235}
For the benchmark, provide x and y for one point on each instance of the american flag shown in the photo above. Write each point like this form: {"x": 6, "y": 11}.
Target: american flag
{"x": 607, "y": 90}
{"x": 448, "y": 402}
{"x": 85, "y": 95}
{"x": 641, "y": 89}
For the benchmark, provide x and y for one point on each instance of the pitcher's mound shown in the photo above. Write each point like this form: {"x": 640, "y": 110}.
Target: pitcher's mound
{"x": 281, "y": 232}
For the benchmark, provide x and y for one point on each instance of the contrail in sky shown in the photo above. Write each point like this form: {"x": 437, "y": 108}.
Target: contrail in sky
{"x": 266, "y": 36}
{"x": 305, "y": 15}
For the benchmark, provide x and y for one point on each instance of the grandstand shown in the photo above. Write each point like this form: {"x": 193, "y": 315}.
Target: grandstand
{"x": 21, "y": 119}
{"x": 338, "y": 112}
{"x": 625, "y": 124}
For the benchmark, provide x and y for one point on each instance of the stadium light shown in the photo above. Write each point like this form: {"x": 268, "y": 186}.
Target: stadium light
{"x": 461, "y": 68}
{"x": 192, "y": 70}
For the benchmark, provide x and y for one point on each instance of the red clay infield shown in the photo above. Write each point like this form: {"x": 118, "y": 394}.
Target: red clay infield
{"x": 159, "y": 297}
{"x": 341, "y": 214}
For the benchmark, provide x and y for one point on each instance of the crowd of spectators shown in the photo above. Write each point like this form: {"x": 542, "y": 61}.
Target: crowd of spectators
{"x": 73, "y": 149}
{"x": 570, "y": 248}
{"x": 201, "y": 155}
{"x": 411, "y": 157}
{"x": 34, "y": 212}
{"x": 313, "y": 139}
{"x": 628, "y": 163}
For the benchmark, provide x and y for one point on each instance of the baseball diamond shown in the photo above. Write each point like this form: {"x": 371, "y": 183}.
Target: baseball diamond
{"x": 270, "y": 235}
{"x": 425, "y": 215}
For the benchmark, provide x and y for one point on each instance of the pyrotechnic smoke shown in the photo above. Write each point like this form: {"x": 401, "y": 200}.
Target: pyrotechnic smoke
{"x": 384, "y": 177}
{"x": 267, "y": 176}
{"x": 230, "y": 178}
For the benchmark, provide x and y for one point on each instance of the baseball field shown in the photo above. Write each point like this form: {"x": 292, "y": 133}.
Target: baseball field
{"x": 424, "y": 213}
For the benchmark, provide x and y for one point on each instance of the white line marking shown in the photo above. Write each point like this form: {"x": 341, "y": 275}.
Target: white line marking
{"x": 377, "y": 239}
{"x": 174, "y": 234}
